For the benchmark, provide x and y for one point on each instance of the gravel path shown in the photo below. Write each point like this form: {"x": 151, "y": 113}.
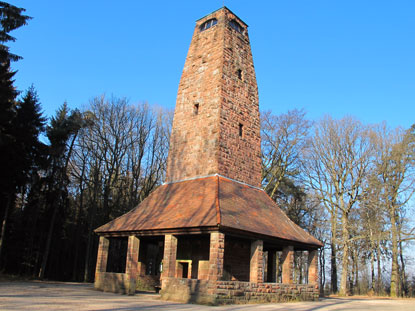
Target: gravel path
{"x": 78, "y": 296}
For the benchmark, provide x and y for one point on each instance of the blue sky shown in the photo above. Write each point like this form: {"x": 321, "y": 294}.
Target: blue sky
{"x": 328, "y": 57}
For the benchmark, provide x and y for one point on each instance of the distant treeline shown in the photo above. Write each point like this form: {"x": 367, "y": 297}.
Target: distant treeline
{"x": 348, "y": 183}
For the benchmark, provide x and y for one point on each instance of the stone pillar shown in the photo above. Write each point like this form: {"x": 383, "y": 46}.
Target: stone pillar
{"x": 102, "y": 258}
{"x": 256, "y": 263}
{"x": 131, "y": 265}
{"x": 272, "y": 267}
{"x": 312, "y": 267}
{"x": 169, "y": 258}
{"x": 287, "y": 264}
{"x": 216, "y": 252}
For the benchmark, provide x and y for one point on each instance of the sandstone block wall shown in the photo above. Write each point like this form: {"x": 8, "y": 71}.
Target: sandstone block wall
{"x": 112, "y": 282}
{"x": 233, "y": 292}
{"x": 229, "y": 292}
{"x": 217, "y": 95}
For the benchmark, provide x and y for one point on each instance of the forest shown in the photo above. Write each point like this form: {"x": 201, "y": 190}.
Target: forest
{"x": 348, "y": 183}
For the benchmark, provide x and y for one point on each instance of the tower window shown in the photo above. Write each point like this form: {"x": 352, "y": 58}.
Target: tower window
{"x": 241, "y": 130}
{"x": 196, "y": 109}
{"x": 239, "y": 74}
{"x": 209, "y": 23}
{"x": 235, "y": 25}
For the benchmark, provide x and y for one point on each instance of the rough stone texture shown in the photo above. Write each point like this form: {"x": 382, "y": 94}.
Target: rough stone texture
{"x": 216, "y": 255}
{"x": 313, "y": 267}
{"x": 188, "y": 290}
{"x": 203, "y": 271}
{"x": 112, "y": 282}
{"x": 287, "y": 264}
{"x": 169, "y": 259}
{"x": 147, "y": 283}
{"x": 208, "y": 142}
{"x": 246, "y": 292}
{"x": 102, "y": 259}
{"x": 131, "y": 267}
{"x": 256, "y": 264}
{"x": 124, "y": 283}
{"x": 229, "y": 292}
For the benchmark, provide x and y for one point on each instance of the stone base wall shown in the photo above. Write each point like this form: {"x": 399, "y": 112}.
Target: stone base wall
{"x": 234, "y": 292}
{"x": 229, "y": 292}
{"x": 119, "y": 283}
{"x": 111, "y": 282}
{"x": 148, "y": 283}
{"x": 188, "y": 290}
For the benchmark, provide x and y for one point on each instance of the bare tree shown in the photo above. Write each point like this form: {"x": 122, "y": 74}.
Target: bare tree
{"x": 119, "y": 159}
{"x": 335, "y": 165}
{"x": 394, "y": 179}
{"x": 283, "y": 138}
{"x": 372, "y": 226}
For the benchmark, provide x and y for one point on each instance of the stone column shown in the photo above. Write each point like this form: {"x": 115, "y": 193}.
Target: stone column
{"x": 287, "y": 264}
{"x": 169, "y": 258}
{"x": 102, "y": 258}
{"x": 131, "y": 265}
{"x": 256, "y": 263}
{"x": 216, "y": 253}
{"x": 312, "y": 267}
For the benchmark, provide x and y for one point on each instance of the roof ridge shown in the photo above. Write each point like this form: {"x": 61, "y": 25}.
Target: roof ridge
{"x": 240, "y": 182}
{"x": 213, "y": 175}
{"x": 187, "y": 179}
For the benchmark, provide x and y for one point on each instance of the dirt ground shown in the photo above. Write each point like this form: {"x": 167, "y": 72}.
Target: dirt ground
{"x": 33, "y": 295}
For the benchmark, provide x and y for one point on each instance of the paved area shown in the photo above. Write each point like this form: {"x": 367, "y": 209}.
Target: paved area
{"x": 76, "y": 296}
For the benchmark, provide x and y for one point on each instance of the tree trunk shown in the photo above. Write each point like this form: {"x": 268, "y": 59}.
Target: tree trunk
{"x": 322, "y": 271}
{"x": 394, "y": 283}
{"x": 89, "y": 242}
{"x": 379, "y": 272}
{"x": 403, "y": 287}
{"x": 3, "y": 227}
{"x": 91, "y": 218}
{"x": 372, "y": 270}
{"x": 356, "y": 288}
{"x": 333, "y": 262}
{"x": 48, "y": 242}
{"x": 352, "y": 276}
{"x": 345, "y": 261}
{"x": 78, "y": 234}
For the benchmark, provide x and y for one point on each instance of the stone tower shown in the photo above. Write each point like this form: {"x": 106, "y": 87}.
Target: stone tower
{"x": 210, "y": 234}
{"x": 216, "y": 127}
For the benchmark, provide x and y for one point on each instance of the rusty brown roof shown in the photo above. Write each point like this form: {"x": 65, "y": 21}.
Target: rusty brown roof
{"x": 207, "y": 202}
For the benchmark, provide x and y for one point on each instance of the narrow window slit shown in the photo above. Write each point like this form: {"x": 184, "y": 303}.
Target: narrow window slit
{"x": 239, "y": 73}
{"x": 196, "y": 109}
{"x": 241, "y": 130}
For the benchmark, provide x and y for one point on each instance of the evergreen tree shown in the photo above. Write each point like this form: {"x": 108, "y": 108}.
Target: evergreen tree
{"x": 62, "y": 133}
{"x": 11, "y": 18}
{"x": 28, "y": 125}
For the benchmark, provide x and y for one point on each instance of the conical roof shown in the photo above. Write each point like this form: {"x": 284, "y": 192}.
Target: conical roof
{"x": 210, "y": 202}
